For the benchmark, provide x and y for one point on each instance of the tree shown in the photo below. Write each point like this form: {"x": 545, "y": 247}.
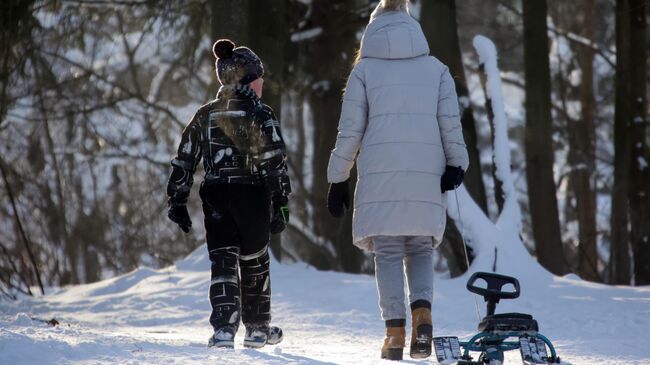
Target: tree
{"x": 620, "y": 260}
{"x": 336, "y": 44}
{"x": 538, "y": 140}
{"x": 242, "y": 21}
{"x": 438, "y": 20}
{"x": 639, "y": 193}
{"x": 84, "y": 133}
{"x": 582, "y": 151}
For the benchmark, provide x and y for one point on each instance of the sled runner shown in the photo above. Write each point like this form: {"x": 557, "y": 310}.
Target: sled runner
{"x": 447, "y": 349}
{"x": 497, "y": 331}
{"x": 533, "y": 351}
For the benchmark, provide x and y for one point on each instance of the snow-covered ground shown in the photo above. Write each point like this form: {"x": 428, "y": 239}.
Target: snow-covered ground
{"x": 160, "y": 317}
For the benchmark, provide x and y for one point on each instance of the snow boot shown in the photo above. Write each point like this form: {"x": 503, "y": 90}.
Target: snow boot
{"x": 257, "y": 337}
{"x": 275, "y": 335}
{"x": 224, "y": 337}
{"x": 421, "y": 329}
{"x": 395, "y": 340}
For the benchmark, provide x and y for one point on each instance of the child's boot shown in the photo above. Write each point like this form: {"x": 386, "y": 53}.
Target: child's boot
{"x": 275, "y": 335}
{"x": 257, "y": 337}
{"x": 395, "y": 340}
{"x": 223, "y": 337}
{"x": 224, "y": 296}
{"x": 421, "y": 329}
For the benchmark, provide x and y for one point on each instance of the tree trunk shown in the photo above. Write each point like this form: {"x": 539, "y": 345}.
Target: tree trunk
{"x": 619, "y": 246}
{"x": 336, "y": 45}
{"x": 584, "y": 164}
{"x": 452, "y": 249}
{"x": 228, "y": 21}
{"x": 639, "y": 193}
{"x": 242, "y": 22}
{"x": 539, "y": 141}
{"x": 438, "y": 20}
{"x": 270, "y": 46}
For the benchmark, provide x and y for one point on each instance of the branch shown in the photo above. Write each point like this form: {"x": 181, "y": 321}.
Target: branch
{"x": 17, "y": 272}
{"x": 111, "y": 2}
{"x": 123, "y": 154}
{"x": 127, "y": 92}
{"x": 20, "y": 226}
{"x": 604, "y": 53}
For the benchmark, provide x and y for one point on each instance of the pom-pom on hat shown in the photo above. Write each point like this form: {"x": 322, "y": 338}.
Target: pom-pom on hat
{"x": 237, "y": 65}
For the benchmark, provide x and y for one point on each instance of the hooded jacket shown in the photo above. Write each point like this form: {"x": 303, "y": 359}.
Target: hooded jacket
{"x": 239, "y": 139}
{"x": 401, "y": 123}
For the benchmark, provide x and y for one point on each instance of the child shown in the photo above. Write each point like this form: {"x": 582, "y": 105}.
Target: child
{"x": 400, "y": 115}
{"x": 244, "y": 159}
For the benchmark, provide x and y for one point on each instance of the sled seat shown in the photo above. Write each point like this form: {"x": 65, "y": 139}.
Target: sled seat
{"x": 508, "y": 322}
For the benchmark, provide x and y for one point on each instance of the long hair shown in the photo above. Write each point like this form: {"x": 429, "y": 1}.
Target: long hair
{"x": 394, "y": 4}
{"x": 357, "y": 57}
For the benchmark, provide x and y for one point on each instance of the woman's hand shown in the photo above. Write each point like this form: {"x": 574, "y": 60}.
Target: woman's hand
{"x": 451, "y": 179}
{"x": 338, "y": 198}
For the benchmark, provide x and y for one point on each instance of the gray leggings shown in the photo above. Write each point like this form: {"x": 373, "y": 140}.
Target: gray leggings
{"x": 394, "y": 254}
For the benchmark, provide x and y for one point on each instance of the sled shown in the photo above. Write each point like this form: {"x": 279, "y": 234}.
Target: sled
{"x": 498, "y": 333}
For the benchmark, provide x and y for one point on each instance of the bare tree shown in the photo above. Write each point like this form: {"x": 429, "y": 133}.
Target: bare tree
{"x": 539, "y": 142}
{"x": 438, "y": 20}
{"x": 620, "y": 259}
{"x": 639, "y": 193}
{"x": 335, "y": 25}
{"x": 582, "y": 150}
{"x": 84, "y": 137}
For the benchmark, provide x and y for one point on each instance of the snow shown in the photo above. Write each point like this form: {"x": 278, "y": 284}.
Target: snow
{"x": 160, "y": 316}
{"x": 643, "y": 164}
{"x": 488, "y": 57}
{"x": 499, "y": 245}
{"x": 306, "y": 34}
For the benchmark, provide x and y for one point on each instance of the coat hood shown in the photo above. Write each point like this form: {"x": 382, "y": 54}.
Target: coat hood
{"x": 393, "y": 35}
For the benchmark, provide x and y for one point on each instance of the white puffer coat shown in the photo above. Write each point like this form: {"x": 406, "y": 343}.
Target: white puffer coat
{"x": 400, "y": 115}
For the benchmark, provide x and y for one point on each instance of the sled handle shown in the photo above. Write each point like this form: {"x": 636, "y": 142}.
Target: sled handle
{"x": 494, "y": 284}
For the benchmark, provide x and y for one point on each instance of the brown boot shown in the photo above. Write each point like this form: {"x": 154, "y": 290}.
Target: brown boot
{"x": 395, "y": 339}
{"x": 421, "y": 329}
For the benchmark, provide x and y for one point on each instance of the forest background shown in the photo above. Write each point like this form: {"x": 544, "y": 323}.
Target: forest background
{"x": 94, "y": 95}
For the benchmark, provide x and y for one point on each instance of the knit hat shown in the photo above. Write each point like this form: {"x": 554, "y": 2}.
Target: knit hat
{"x": 236, "y": 65}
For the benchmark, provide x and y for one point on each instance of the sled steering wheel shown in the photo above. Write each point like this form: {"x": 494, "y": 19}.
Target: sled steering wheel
{"x": 495, "y": 283}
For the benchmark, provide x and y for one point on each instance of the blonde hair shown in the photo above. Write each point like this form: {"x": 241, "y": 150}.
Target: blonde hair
{"x": 390, "y": 5}
{"x": 394, "y": 4}
{"x": 357, "y": 57}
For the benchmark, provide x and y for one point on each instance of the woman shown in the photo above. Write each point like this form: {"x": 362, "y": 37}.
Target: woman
{"x": 400, "y": 115}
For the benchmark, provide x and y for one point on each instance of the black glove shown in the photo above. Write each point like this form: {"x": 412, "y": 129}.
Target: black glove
{"x": 338, "y": 197}
{"x": 179, "y": 215}
{"x": 452, "y": 178}
{"x": 280, "y": 216}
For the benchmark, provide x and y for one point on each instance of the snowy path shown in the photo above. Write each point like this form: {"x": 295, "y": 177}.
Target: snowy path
{"x": 328, "y": 318}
